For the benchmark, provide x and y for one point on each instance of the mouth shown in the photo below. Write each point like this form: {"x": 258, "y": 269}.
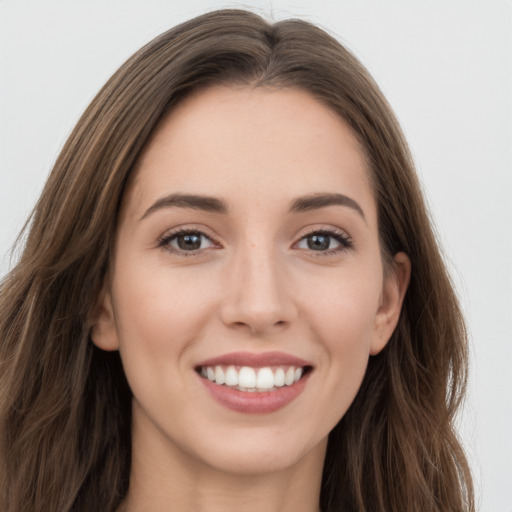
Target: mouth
{"x": 250, "y": 379}
{"x": 254, "y": 383}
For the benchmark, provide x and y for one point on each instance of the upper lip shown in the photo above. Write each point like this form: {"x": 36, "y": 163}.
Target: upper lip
{"x": 255, "y": 360}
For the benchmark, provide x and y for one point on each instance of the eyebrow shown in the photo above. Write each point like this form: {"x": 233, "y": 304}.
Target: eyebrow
{"x": 196, "y": 202}
{"x": 215, "y": 205}
{"x": 316, "y": 201}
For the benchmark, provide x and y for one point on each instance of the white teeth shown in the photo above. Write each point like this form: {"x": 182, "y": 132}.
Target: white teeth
{"x": 219, "y": 375}
{"x": 265, "y": 379}
{"x": 290, "y": 376}
{"x": 253, "y": 379}
{"x": 231, "y": 376}
{"x": 247, "y": 377}
{"x": 279, "y": 378}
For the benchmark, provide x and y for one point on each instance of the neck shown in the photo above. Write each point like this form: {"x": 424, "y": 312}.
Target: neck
{"x": 221, "y": 493}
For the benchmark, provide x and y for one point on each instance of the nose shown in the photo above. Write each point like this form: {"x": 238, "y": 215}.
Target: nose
{"x": 257, "y": 295}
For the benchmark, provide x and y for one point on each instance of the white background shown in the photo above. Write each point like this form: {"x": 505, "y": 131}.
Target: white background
{"x": 446, "y": 68}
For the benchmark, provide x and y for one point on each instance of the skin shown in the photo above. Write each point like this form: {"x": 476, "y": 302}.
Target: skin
{"x": 254, "y": 285}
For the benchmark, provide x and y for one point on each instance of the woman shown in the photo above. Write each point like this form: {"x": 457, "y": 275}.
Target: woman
{"x": 231, "y": 296}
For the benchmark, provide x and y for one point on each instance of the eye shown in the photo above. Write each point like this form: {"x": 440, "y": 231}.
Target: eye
{"x": 186, "y": 241}
{"x": 326, "y": 241}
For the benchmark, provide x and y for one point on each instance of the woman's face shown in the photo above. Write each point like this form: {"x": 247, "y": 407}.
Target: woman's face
{"x": 248, "y": 252}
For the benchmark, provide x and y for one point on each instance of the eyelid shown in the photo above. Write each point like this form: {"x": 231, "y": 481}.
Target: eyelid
{"x": 344, "y": 239}
{"x": 168, "y": 236}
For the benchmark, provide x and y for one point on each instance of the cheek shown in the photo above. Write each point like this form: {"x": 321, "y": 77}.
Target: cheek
{"x": 343, "y": 308}
{"x": 159, "y": 316}
{"x": 341, "y": 315}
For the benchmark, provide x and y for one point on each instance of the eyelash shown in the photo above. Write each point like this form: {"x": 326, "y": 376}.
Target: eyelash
{"x": 166, "y": 240}
{"x": 345, "y": 242}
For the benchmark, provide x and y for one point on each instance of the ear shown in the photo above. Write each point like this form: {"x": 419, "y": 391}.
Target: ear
{"x": 394, "y": 287}
{"x": 103, "y": 324}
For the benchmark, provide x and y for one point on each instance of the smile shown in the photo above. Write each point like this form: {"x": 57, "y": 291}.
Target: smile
{"x": 248, "y": 379}
{"x": 253, "y": 383}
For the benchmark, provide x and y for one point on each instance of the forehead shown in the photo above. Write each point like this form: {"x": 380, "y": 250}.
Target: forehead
{"x": 223, "y": 141}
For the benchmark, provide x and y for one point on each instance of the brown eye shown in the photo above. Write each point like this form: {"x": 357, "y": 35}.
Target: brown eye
{"x": 319, "y": 242}
{"x": 186, "y": 241}
{"x": 325, "y": 241}
{"x": 190, "y": 242}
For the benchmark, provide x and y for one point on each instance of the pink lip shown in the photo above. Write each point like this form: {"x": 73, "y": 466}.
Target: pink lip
{"x": 255, "y": 360}
{"x": 258, "y": 402}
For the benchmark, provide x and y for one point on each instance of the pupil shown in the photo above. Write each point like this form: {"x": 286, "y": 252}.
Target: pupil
{"x": 189, "y": 242}
{"x": 318, "y": 242}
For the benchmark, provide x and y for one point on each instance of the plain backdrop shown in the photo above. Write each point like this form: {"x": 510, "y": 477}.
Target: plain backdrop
{"x": 444, "y": 65}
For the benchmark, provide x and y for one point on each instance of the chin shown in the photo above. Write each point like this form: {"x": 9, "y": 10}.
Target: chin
{"x": 252, "y": 454}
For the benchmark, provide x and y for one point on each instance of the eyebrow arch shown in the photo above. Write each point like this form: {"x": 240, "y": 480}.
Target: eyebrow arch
{"x": 316, "y": 201}
{"x": 215, "y": 205}
{"x": 196, "y": 202}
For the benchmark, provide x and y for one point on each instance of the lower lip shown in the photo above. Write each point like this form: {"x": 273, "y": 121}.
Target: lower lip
{"x": 255, "y": 402}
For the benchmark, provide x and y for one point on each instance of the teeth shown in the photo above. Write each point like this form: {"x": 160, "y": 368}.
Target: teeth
{"x": 219, "y": 375}
{"x": 265, "y": 379}
{"x": 247, "y": 377}
{"x": 288, "y": 379}
{"x": 279, "y": 378}
{"x": 253, "y": 379}
{"x": 231, "y": 376}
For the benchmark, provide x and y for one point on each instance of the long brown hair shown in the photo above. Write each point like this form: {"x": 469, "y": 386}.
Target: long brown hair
{"x": 65, "y": 406}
